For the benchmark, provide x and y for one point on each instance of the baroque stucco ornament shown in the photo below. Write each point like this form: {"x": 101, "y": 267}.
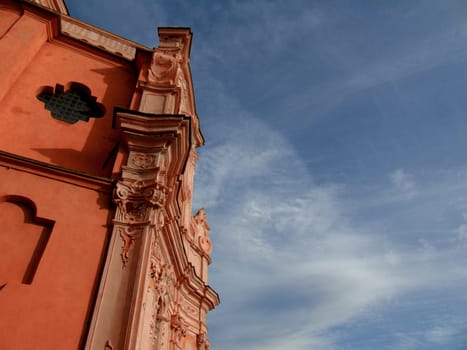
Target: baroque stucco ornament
{"x": 166, "y": 59}
{"x": 178, "y": 327}
{"x": 128, "y": 235}
{"x": 137, "y": 200}
{"x": 141, "y": 160}
{"x": 135, "y": 197}
{"x": 203, "y": 341}
{"x": 202, "y": 228}
{"x": 163, "y": 67}
{"x": 165, "y": 277}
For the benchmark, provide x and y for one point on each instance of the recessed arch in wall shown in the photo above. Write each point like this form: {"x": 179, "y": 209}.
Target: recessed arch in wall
{"x": 23, "y": 239}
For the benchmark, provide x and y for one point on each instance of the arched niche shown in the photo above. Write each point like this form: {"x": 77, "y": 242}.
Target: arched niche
{"x": 23, "y": 238}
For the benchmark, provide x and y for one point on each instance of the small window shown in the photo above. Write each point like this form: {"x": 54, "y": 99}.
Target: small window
{"x": 71, "y": 104}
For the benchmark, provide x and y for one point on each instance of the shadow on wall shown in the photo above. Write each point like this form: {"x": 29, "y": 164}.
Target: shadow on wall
{"x": 99, "y": 151}
{"x": 23, "y": 238}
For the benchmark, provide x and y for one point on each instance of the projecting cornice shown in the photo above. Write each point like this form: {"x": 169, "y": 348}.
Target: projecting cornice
{"x": 111, "y": 43}
{"x": 54, "y": 5}
{"x": 86, "y": 33}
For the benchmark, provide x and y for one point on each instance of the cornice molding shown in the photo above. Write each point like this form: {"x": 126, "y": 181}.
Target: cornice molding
{"x": 99, "y": 38}
{"x": 54, "y": 5}
{"x": 54, "y": 172}
{"x": 87, "y": 33}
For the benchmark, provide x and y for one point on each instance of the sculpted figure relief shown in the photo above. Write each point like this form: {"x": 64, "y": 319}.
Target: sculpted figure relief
{"x": 163, "y": 68}
{"x": 202, "y": 230}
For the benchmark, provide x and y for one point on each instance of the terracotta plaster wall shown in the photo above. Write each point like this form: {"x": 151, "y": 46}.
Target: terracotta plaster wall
{"x": 51, "y": 311}
{"x": 29, "y": 130}
{"x": 8, "y": 17}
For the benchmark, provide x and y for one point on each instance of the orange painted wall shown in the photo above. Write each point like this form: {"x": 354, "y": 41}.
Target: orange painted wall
{"x": 20, "y": 240}
{"x": 83, "y": 146}
{"x": 52, "y": 310}
{"x": 8, "y": 16}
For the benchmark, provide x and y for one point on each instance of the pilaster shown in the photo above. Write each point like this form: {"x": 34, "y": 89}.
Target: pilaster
{"x": 152, "y": 295}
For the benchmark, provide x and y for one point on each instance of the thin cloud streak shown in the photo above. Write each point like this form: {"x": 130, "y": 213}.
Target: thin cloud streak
{"x": 270, "y": 238}
{"x": 300, "y": 264}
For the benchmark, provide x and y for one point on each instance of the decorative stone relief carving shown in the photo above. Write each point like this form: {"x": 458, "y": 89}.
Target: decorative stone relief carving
{"x": 134, "y": 198}
{"x": 163, "y": 67}
{"x": 203, "y": 341}
{"x": 178, "y": 328}
{"x": 202, "y": 229}
{"x": 162, "y": 296}
{"x": 169, "y": 69}
{"x": 154, "y": 214}
{"x": 128, "y": 235}
{"x": 143, "y": 160}
{"x": 138, "y": 201}
{"x": 158, "y": 271}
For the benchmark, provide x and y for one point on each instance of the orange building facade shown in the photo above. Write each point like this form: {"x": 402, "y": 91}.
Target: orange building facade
{"x": 99, "y": 247}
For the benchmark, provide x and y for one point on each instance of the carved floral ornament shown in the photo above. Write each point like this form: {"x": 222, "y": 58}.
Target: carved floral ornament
{"x": 135, "y": 198}
{"x": 203, "y": 341}
{"x": 135, "y": 201}
{"x": 178, "y": 326}
{"x": 160, "y": 273}
{"x": 128, "y": 235}
{"x": 166, "y": 302}
{"x": 143, "y": 160}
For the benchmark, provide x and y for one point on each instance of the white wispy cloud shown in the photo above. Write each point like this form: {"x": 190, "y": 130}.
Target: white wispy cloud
{"x": 402, "y": 180}
{"x": 462, "y": 233}
{"x": 403, "y": 185}
{"x": 290, "y": 261}
{"x": 290, "y": 264}
{"x": 441, "y": 334}
{"x": 438, "y": 49}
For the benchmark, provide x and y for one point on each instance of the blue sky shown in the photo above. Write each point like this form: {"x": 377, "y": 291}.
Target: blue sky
{"x": 335, "y": 169}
